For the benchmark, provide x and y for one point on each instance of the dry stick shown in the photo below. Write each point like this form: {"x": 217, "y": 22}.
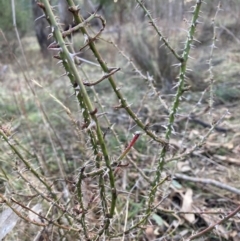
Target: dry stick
{"x": 193, "y": 212}
{"x": 41, "y": 160}
{"x": 210, "y": 228}
{"x": 103, "y": 78}
{"x": 94, "y": 173}
{"x": 28, "y": 220}
{"x": 211, "y": 75}
{"x": 189, "y": 116}
{"x": 200, "y": 143}
{"x": 40, "y": 107}
{"x": 230, "y": 33}
{"x": 49, "y": 200}
{"x": 139, "y": 170}
{"x": 67, "y": 110}
{"x": 42, "y": 218}
{"x": 24, "y": 114}
{"x": 127, "y": 205}
{"x": 208, "y": 181}
{"x": 27, "y": 164}
{"x": 4, "y": 200}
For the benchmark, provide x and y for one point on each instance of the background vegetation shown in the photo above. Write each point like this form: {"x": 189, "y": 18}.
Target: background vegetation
{"x": 175, "y": 178}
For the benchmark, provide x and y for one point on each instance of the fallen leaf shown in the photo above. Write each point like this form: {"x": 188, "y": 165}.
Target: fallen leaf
{"x": 150, "y": 233}
{"x": 184, "y": 166}
{"x": 8, "y": 220}
{"x": 37, "y": 209}
{"x": 187, "y": 206}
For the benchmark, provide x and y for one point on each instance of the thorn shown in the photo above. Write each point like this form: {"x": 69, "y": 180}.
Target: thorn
{"x": 54, "y": 46}
{"x": 118, "y": 106}
{"x": 186, "y": 88}
{"x": 57, "y": 57}
{"x": 60, "y": 62}
{"x": 43, "y": 16}
{"x": 64, "y": 74}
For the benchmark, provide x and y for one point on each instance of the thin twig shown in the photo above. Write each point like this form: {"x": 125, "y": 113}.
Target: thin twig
{"x": 209, "y": 182}
{"x": 210, "y": 228}
{"x": 103, "y": 78}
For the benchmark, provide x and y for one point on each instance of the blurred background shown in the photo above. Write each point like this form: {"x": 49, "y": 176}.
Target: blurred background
{"x": 130, "y": 29}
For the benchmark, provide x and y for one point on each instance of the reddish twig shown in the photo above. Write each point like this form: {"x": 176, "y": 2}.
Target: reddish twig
{"x": 136, "y": 136}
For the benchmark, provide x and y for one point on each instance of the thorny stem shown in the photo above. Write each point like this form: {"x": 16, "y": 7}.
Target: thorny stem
{"x": 139, "y": 170}
{"x": 176, "y": 103}
{"x": 72, "y": 72}
{"x": 78, "y": 20}
{"x": 80, "y": 199}
{"x": 152, "y": 22}
{"x": 211, "y": 75}
{"x": 96, "y": 154}
{"x": 123, "y": 103}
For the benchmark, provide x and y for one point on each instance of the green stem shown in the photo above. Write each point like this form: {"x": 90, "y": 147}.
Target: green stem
{"x": 123, "y": 103}
{"x": 152, "y": 22}
{"x": 84, "y": 100}
{"x": 78, "y": 20}
{"x": 176, "y": 103}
